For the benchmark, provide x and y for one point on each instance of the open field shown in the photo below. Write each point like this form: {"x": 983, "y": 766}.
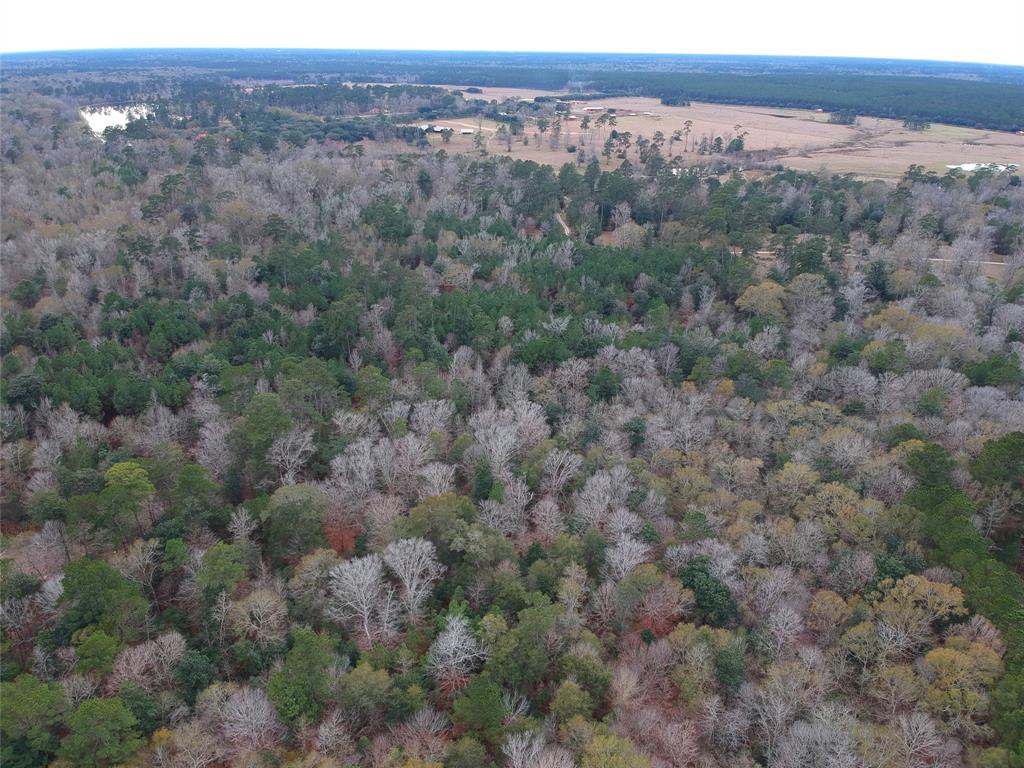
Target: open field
{"x": 803, "y": 139}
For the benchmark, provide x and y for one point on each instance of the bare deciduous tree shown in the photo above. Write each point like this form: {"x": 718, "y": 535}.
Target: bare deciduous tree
{"x": 560, "y": 467}
{"x": 149, "y": 665}
{"x": 454, "y": 654}
{"x": 249, "y": 720}
{"x": 529, "y": 750}
{"x": 362, "y": 600}
{"x": 414, "y": 562}
{"x": 626, "y": 555}
{"x": 139, "y": 562}
{"x": 191, "y": 746}
{"x": 921, "y": 744}
{"x": 290, "y": 452}
{"x": 436, "y": 478}
{"x": 333, "y": 738}
{"x": 212, "y": 449}
{"x": 828, "y": 739}
{"x": 788, "y": 690}
{"x": 260, "y": 616}
{"x": 432, "y": 416}
{"x": 548, "y": 520}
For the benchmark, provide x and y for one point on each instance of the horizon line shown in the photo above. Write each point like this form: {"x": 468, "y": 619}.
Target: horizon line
{"x": 67, "y": 51}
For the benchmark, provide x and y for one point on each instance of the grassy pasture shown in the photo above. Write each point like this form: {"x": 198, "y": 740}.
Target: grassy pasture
{"x": 802, "y": 139}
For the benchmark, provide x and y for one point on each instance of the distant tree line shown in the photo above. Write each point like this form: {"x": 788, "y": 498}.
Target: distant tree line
{"x": 992, "y": 98}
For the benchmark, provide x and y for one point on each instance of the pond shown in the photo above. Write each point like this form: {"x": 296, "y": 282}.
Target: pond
{"x": 103, "y": 117}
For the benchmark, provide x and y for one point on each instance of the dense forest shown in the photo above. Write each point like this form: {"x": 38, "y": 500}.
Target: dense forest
{"x": 976, "y": 95}
{"x": 320, "y": 457}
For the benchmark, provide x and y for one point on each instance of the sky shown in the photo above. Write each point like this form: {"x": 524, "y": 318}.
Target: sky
{"x": 905, "y": 29}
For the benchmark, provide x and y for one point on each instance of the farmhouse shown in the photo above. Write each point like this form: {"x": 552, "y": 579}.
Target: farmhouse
{"x": 996, "y": 167}
{"x": 466, "y": 131}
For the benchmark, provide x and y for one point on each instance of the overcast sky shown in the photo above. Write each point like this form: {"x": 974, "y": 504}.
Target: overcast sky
{"x": 906, "y": 29}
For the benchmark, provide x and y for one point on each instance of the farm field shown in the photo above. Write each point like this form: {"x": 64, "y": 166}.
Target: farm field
{"x": 802, "y": 139}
